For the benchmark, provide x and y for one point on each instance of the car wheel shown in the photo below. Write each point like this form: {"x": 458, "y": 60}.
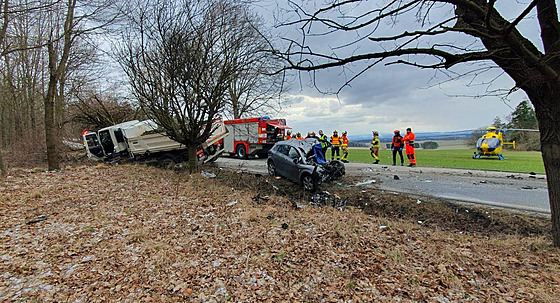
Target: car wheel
{"x": 241, "y": 151}
{"x": 271, "y": 168}
{"x": 308, "y": 183}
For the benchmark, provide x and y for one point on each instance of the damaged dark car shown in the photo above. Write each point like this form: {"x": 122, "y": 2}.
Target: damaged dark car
{"x": 302, "y": 161}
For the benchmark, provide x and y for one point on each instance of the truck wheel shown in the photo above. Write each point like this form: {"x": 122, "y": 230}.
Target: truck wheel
{"x": 271, "y": 168}
{"x": 166, "y": 162}
{"x": 241, "y": 151}
{"x": 308, "y": 183}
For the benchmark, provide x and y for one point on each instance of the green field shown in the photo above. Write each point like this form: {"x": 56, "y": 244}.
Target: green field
{"x": 517, "y": 161}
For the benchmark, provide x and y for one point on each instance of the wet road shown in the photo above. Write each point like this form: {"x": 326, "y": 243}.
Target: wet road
{"x": 519, "y": 191}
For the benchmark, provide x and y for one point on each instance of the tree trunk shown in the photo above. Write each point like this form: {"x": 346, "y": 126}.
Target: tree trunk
{"x": 193, "y": 159}
{"x": 545, "y": 100}
{"x": 53, "y": 158}
{"x": 3, "y": 170}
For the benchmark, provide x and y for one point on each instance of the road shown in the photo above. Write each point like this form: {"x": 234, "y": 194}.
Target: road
{"x": 519, "y": 191}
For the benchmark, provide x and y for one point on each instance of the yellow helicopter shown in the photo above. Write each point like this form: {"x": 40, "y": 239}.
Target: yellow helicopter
{"x": 491, "y": 143}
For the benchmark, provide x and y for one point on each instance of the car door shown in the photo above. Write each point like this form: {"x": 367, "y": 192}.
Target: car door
{"x": 292, "y": 170}
{"x": 281, "y": 159}
{"x": 93, "y": 146}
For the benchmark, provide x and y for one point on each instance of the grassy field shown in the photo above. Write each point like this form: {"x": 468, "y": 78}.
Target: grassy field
{"x": 516, "y": 161}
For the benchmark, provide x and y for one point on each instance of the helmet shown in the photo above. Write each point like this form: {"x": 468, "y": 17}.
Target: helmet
{"x": 345, "y": 132}
{"x": 375, "y": 132}
{"x": 335, "y": 132}
{"x": 396, "y": 131}
{"x": 491, "y": 128}
{"x": 409, "y": 129}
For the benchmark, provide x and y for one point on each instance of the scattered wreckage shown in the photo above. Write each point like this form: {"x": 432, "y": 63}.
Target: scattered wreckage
{"x": 302, "y": 161}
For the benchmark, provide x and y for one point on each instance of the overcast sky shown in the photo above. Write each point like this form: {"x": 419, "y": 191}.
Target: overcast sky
{"x": 396, "y": 96}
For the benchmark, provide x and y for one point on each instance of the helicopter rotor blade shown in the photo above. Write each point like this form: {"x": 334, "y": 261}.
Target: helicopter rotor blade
{"x": 521, "y": 130}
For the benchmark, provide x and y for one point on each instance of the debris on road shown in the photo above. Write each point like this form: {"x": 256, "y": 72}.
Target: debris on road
{"x": 528, "y": 187}
{"x": 285, "y": 226}
{"x": 396, "y": 177}
{"x": 383, "y": 227}
{"x": 418, "y": 202}
{"x": 36, "y": 220}
{"x": 366, "y": 182}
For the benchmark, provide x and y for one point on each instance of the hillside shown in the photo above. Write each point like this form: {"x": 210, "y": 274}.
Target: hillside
{"x": 135, "y": 233}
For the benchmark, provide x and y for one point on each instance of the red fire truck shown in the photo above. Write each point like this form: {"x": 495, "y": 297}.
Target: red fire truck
{"x": 253, "y": 136}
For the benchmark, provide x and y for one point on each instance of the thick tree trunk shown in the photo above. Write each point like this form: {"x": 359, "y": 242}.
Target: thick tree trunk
{"x": 545, "y": 99}
{"x": 53, "y": 158}
{"x": 193, "y": 159}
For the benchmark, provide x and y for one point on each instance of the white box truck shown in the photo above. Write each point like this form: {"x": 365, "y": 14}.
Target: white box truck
{"x": 145, "y": 141}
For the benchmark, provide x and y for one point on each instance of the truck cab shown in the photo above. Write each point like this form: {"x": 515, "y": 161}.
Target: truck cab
{"x": 108, "y": 142}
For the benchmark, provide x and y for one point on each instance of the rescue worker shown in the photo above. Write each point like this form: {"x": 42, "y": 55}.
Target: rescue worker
{"x": 409, "y": 147}
{"x": 324, "y": 142}
{"x": 298, "y": 136}
{"x": 312, "y": 136}
{"x": 335, "y": 141}
{"x": 375, "y": 147}
{"x": 288, "y": 135}
{"x": 396, "y": 146}
{"x": 344, "y": 147}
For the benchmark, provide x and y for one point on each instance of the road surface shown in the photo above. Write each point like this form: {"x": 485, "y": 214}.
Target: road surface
{"x": 519, "y": 191}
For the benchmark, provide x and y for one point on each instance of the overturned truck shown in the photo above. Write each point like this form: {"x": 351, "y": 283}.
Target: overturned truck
{"x": 145, "y": 141}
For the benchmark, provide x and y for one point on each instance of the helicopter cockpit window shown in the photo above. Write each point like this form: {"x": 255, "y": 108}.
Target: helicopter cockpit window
{"x": 493, "y": 142}
{"x": 480, "y": 141}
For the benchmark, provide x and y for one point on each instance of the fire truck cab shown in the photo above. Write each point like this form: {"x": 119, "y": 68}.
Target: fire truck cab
{"x": 253, "y": 136}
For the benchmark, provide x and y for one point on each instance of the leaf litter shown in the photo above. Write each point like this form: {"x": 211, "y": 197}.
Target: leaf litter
{"x": 136, "y": 233}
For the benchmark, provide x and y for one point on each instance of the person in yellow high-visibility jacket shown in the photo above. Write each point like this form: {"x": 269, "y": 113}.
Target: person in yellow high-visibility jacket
{"x": 344, "y": 147}
{"x": 335, "y": 141}
{"x": 375, "y": 144}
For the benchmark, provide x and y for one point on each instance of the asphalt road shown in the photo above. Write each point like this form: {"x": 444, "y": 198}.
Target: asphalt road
{"x": 519, "y": 191}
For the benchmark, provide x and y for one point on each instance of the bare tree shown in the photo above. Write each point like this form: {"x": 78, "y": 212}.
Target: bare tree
{"x": 69, "y": 21}
{"x": 434, "y": 41}
{"x": 99, "y": 110}
{"x": 181, "y": 61}
{"x": 255, "y": 87}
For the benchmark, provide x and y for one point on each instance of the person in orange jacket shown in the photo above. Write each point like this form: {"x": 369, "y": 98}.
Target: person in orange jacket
{"x": 397, "y": 147}
{"x": 336, "y": 142}
{"x": 288, "y": 135}
{"x": 409, "y": 146}
{"x": 298, "y": 136}
{"x": 344, "y": 147}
